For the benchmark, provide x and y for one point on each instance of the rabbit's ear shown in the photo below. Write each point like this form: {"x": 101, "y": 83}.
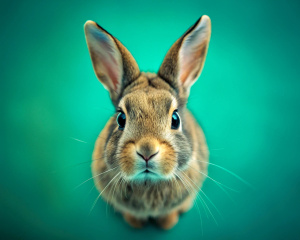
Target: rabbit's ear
{"x": 113, "y": 64}
{"x": 184, "y": 61}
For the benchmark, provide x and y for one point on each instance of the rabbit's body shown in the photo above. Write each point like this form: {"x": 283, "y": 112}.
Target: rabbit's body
{"x": 151, "y": 157}
{"x": 151, "y": 200}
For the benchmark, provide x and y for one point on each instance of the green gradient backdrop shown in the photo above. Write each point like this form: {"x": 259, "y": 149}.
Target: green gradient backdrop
{"x": 246, "y": 99}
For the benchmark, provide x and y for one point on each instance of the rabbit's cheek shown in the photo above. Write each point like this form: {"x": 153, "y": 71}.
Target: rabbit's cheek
{"x": 126, "y": 158}
{"x": 168, "y": 162}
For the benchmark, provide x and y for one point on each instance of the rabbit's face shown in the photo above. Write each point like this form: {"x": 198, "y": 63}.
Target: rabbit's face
{"x": 152, "y": 144}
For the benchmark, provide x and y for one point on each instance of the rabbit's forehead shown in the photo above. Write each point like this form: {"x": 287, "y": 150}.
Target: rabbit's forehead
{"x": 157, "y": 103}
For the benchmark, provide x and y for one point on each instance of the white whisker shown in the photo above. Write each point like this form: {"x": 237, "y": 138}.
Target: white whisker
{"x": 94, "y": 204}
{"x": 78, "y": 140}
{"x": 215, "y": 181}
{"x": 230, "y": 172}
{"x": 199, "y": 188}
{"x": 198, "y": 196}
{"x": 93, "y": 178}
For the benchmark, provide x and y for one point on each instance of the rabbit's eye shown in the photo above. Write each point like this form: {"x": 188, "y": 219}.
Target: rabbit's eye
{"x": 175, "y": 120}
{"x": 121, "y": 120}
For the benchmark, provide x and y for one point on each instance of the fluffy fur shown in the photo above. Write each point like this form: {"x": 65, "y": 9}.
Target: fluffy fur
{"x": 148, "y": 101}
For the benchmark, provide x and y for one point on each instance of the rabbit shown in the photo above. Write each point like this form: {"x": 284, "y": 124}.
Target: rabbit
{"x": 151, "y": 157}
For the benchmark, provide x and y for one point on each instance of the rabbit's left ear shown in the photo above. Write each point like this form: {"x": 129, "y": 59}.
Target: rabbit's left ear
{"x": 184, "y": 61}
{"x": 113, "y": 64}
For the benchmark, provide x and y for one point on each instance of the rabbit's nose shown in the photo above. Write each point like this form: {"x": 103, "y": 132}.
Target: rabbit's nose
{"x": 145, "y": 157}
{"x": 147, "y": 148}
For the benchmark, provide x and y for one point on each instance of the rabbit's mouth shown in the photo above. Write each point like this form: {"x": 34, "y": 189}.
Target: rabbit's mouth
{"x": 147, "y": 174}
{"x": 150, "y": 175}
{"x": 148, "y": 171}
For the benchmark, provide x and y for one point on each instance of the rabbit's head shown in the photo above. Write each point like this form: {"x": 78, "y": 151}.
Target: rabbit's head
{"x": 150, "y": 137}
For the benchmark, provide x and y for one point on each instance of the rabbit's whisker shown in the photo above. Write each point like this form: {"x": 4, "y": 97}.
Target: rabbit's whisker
{"x": 114, "y": 188}
{"x": 219, "y": 184}
{"x": 94, "y": 204}
{"x": 94, "y": 177}
{"x": 183, "y": 183}
{"x": 91, "y": 189}
{"x": 199, "y": 188}
{"x": 109, "y": 194}
{"x": 188, "y": 187}
{"x": 119, "y": 180}
{"x": 195, "y": 201}
{"x": 178, "y": 187}
{"x": 123, "y": 181}
{"x": 78, "y": 140}
{"x": 198, "y": 196}
{"x": 230, "y": 172}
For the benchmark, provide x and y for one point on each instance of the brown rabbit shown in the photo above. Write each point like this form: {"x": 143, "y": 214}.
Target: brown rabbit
{"x": 151, "y": 156}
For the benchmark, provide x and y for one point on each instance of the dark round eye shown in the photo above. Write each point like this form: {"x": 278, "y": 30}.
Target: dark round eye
{"x": 175, "y": 120}
{"x": 121, "y": 120}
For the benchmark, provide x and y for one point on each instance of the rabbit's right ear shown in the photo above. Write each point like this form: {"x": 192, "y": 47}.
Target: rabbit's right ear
{"x": 113, "y": 64}
{"x": 184, "y": 61}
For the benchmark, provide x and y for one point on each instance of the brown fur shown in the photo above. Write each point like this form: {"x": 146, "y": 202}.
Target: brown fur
{"x": 154, "y": 200}
{"x": 148, "y": 101}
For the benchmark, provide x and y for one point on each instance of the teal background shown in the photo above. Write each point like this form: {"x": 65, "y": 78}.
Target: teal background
{"x": 247, "y": 100}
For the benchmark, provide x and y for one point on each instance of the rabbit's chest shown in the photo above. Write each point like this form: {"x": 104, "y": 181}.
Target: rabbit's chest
{"x": 149, "y": 202}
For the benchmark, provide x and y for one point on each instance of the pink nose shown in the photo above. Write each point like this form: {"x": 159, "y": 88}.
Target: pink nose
{"x": 147, "y": 148}
{"x": 146, "y": 158}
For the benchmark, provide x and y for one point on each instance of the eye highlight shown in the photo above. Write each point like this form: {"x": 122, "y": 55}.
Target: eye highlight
{"x": 175, "y": 120}
{"x": 121, "y": 120}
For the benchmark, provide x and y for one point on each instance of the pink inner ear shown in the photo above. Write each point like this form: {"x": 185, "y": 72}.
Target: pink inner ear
{"x": 193, "y": 52}
{"x": 106, "y": 57}
{"x": 189, "y": 63}
{"x": 110, "y": 66}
